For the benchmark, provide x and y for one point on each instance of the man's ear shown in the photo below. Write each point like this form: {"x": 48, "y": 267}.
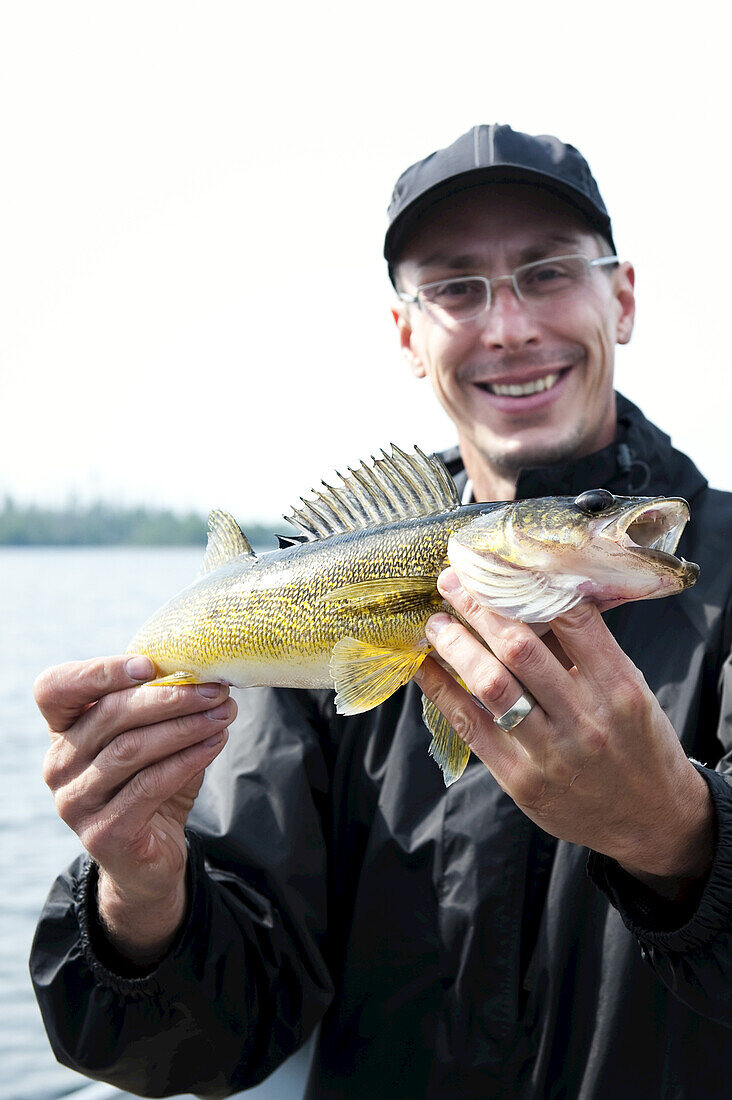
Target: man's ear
{"x": 406, "y": 340}
{"x": 625, "y": 296}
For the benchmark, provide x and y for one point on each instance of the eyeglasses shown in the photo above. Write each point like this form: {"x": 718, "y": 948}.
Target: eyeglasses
{"x": 465, "y": 298}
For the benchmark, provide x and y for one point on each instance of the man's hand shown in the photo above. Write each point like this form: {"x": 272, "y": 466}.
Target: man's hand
{"x": 597, "y": 761}
{"x": 125, "y": 765}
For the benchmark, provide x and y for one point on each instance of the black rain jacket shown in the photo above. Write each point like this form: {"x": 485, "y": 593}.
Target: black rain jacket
{"x": 448, "y": 947}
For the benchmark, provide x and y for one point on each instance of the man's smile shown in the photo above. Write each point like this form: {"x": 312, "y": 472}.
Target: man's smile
{"x": 522, "y": 389}
{"x": 516, "y": 391}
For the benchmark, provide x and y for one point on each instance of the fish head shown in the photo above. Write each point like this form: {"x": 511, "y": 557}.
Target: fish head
{"x": 534, "y": 559}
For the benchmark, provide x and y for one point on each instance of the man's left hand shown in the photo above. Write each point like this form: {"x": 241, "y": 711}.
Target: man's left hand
{"x": 596, "y": 761}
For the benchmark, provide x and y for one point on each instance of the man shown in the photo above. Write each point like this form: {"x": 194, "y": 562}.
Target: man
{"x": 450, "y": 941}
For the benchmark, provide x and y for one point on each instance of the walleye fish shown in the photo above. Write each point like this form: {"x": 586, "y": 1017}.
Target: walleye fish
{"x": 344, "y": 605}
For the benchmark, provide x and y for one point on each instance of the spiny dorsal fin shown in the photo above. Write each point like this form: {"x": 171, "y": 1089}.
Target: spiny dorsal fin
{"x": 284, "y": 542}
{"x": 225, "y": 541}
{"x": 397, "y": 486}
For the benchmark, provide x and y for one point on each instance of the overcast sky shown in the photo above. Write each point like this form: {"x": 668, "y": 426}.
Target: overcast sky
{"x": 194, "y": 310}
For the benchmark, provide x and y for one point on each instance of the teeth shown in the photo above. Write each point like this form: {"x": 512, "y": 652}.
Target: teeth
{"x": 535, "y": 386}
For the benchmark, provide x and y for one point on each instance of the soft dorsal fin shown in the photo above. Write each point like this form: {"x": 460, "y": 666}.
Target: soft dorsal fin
{"x": 397, "y": 486}
{"x": 225, "y": 541}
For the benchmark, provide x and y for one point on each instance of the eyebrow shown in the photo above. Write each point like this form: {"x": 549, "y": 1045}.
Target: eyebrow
{"x": 534, "y": 251}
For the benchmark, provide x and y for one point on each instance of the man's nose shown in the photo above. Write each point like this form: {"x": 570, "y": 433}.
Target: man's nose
{"x": 508, "y": 323}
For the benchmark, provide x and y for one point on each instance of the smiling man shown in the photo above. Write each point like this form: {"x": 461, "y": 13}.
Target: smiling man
{"x": 521, "y": 362}
{"x": 558, "y": 923}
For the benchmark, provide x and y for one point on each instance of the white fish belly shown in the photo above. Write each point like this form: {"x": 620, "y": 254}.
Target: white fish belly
{"x": 301, "y": 672}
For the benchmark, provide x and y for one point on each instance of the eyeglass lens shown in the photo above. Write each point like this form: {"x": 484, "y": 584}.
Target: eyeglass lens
{"x": 464, "y": 299}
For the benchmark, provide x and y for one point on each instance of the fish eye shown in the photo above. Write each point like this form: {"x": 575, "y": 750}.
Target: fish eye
{"x": 594, "y": 501}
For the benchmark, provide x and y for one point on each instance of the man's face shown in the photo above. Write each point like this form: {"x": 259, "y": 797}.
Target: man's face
{"x": 567, "y": 343}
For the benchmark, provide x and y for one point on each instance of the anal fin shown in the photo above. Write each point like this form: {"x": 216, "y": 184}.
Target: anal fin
{"x": 447, "y": 748}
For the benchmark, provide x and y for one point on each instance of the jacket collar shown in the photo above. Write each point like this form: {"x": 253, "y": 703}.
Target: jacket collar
{"x": 640, "y": 461}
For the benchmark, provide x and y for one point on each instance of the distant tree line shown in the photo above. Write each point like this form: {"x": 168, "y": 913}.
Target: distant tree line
{"x": 102, "y": 524}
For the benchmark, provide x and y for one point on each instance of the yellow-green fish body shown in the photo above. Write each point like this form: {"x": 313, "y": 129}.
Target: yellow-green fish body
{"x": 276, "y": 619}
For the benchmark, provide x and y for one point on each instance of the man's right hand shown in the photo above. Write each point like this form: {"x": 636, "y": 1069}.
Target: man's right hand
{"x": 125, "y": 765}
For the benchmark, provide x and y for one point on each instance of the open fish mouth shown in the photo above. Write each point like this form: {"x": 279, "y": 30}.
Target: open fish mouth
{"x": 652, "y": 529}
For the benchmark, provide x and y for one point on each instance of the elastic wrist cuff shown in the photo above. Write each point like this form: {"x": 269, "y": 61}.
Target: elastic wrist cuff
{"x": 693, "y": 921}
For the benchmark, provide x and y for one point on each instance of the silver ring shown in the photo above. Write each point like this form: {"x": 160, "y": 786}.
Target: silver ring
{"x": 515, "y": 714}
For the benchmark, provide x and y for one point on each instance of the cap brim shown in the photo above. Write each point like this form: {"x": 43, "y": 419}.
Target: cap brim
{"x": 405, "y": 223}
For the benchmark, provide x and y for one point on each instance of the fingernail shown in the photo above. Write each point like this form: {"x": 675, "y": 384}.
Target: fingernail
{"x": 216, "y": 739}
{"x": 209, "y": 691}
{"x": 140, "y": 668}
{"x": 436, "y": 624}
{"x": 221, "y": 711}
{"x": 448, "y": 582}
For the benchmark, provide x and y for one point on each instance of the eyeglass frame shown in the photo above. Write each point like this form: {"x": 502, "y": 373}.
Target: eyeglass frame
{"x": 413, "y": 299}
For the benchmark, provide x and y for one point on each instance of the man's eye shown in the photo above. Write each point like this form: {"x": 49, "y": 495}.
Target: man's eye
{"x": 551, "y": 276}
{"x": 546, "y": 275}
{"x": 456, "y": 290}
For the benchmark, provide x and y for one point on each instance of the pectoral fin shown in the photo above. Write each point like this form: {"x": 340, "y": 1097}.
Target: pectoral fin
{"x": 449, "y": 750}
{"x": 392, "y": 594}
{"x": 365, "y": 675}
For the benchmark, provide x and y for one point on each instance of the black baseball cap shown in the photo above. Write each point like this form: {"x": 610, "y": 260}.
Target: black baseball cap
{"x": 493, "y": 154}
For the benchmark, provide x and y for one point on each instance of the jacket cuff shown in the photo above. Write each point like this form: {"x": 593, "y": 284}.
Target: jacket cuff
{"x": 108, "y": 965}
{"x": 693, "y": 922}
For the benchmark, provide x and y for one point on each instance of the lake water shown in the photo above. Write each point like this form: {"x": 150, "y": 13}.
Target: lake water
{"x": 59, "y": 605}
